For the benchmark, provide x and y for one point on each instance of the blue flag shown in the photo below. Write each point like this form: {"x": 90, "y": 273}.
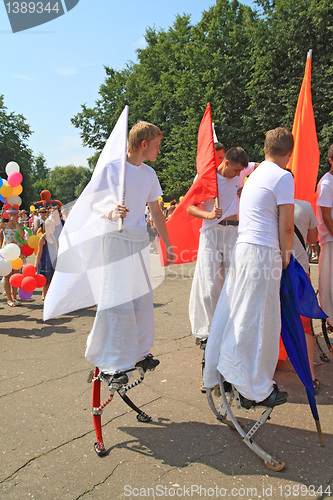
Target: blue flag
{"x": 298, "y": 298}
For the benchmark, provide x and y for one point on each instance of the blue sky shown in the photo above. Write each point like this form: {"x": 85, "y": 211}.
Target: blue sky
{"x": 47, "y": 72}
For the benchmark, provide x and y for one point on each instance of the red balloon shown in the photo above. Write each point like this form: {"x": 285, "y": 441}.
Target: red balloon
{"x": 26, "y": 250}
{"x": 40, "y": 280}
{"x": 5, "y": 215}
{"x": 16, "y": 280}
{"x": 28, "y": 284}
{"x": 28, "y": 270}
{"x": 6, "y": 206}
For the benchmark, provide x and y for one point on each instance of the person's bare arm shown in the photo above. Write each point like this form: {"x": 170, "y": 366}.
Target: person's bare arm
{"x": 286, "y": 231}
{"x": 327, "y": 218}
{"x": 195, "y": 211}
{"x": 159, "y": 222}
{"x": 312, "y": 236}
{"x": 40, "y": 251}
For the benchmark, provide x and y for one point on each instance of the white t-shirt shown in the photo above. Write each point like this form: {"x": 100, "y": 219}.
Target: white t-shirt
{"x": 141, "y": 186}
{"x": 266, "y": 188}
{"x": 305, "y": 219}
{"x": 228, "y": 198}
{"x": 325, "y": 199}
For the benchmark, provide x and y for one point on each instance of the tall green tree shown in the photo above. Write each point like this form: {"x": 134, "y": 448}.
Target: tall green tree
{"x": 248, "y": 64}
{"x": 67, "y": 183}
{"x": 286, "y": 31}
{"x": 14, "y": 134}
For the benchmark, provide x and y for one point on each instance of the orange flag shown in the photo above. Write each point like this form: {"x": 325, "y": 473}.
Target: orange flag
{"x": 304, "y": 162}
{"x": 184, "y": 229}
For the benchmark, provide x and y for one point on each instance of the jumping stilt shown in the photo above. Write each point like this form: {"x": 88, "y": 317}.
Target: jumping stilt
{"x": 228, "y": 394}
{"x": 97, "y": 408}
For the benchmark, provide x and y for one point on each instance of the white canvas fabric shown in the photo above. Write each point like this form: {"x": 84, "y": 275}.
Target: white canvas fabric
{"x": 80, "y": 264}
{"x": 214, "y": 254}
{"x": 123, "y": 330}
{"x": 243, "y": 343}
{"x": 325, "y": 283}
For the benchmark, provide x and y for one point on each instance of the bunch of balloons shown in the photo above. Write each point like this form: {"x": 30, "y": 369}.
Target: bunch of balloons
{"x": 10, "y": 259}
{"x": 11, "y": 188}
{"x": 28, "y": 281}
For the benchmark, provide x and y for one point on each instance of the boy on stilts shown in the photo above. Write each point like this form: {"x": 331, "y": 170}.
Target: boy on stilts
{"x": 243, "y": 344}
{"x": 123, "y": 332}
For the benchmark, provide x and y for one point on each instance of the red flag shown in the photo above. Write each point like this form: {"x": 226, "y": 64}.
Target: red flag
{"x": 184, "y": 229}
{"x": 304, "y": 162}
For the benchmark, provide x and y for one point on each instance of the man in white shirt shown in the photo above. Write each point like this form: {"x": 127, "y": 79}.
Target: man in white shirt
{"x": 243, "y": 343}
{"x": 217, "y": 238}
{"x": 123, "y": 331}
{"x": 325, "y": 229}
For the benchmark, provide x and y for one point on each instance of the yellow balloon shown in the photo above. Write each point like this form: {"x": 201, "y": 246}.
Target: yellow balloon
{"x": 33, "y": 241}
{"x": 17, "y": 190}
{"x": 6, "y": 191}
{"x": 160, "y": 198}
{"x": 17, "y": 264}
{"x": 32, "y": 208}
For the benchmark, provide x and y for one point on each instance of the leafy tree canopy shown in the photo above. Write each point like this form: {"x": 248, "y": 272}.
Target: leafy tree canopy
{"x": 14, "y": 133}
{"x": 249, "y": 65}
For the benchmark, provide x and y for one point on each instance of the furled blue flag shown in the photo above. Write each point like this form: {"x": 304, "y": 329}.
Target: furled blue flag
{"x": 298, "y": 298}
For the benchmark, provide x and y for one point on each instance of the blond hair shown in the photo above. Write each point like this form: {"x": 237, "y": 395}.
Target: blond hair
{"x": 142, "y": 131}
{"x": 279, "y": 141}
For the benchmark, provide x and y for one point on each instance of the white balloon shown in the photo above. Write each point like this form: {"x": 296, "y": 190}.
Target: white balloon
{"x": 14, "y": 199}
{"x": 5, "y": 267}
{"x": 11, "y": 167}
{"x": 10, "y": 251}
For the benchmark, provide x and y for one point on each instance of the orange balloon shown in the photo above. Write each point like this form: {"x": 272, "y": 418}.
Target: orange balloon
{"x": 17, "y": 190}
{"x": 17, "y": 264}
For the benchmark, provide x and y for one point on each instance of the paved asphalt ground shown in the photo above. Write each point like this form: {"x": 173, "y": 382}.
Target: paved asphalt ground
{"x": 47, "y": 432}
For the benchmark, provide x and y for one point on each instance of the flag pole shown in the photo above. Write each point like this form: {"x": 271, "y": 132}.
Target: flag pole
{"x": 122, "y": 175}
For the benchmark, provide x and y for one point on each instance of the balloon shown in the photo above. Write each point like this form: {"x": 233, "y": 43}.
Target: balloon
{"x": 24, "y": 295}
{"x": 6, "y": 206}
{"x": 15, "y": 179}
{"x": 10, "y": 251}
{"x": 17, "y": 264}
{"x": 5, "y": 215}
{"x": 32, "y": 208}
{"x": 28, "y": 284}
{"x": 16, "y": 280}
{"x": 11, "y": 167}
{"x": 29, "y": 270}
{"x": 33, "y": 241}
{"x": 26, "y": 250}
{"x": 17, "y": 190}
{"x": 1, "y": 181}
{"x": 5, "y": 267}
{"x": 6, "y": 191}
{"x": 41, "y": 280}
{"x": 14, "y": 199}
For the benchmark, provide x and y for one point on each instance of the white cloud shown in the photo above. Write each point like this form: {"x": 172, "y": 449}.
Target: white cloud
{"x": 26, "y": 78}
{"x": 66, "y": 70}
{"x": 72, "y": 70}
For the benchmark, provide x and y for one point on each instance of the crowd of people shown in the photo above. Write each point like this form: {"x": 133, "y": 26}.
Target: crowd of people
{"x": 47, "y": 223}
{"x": 246, "y": 239}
